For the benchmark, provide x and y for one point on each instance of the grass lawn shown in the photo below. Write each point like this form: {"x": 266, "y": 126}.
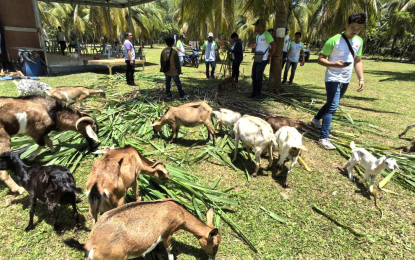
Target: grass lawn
{"x": 386, "y": 102}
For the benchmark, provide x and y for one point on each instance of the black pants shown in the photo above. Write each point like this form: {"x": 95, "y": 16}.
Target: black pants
{"x": 235, "y": 70}
{"x": 63, "y": 46}
{"x": 130, "y": 72}
{"x": 284, "y": 59}
{"x": 213, "y": 65}
{"x": 257, "y": 73}
{"x": 293, "y": 66}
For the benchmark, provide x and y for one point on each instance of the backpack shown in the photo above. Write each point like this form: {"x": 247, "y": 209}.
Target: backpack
{"x": 165, "y": 64}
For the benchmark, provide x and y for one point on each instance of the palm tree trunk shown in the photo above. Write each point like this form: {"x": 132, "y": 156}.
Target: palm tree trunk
{"x": 393, "y": 45}
{"x": 412, "y": 58}
{"x": 276, "y": 60}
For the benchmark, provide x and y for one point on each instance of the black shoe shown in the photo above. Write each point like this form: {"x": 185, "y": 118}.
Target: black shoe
{"x": 283, "y": 82}
{"x": 212, "y": 76}
{"x": 185, "y": 96}
{"x": 132, "y": 84}
{"x": 252, "y": 96}
{"x": 257, "y": 98}
{"x": 290, "y": 83}
{"x": 169, "y": 96}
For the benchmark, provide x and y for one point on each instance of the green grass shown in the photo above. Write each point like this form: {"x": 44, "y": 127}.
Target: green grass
{"x": 387, "y": 102}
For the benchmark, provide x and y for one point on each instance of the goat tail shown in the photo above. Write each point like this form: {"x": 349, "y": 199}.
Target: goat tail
{"x": 352, "y": 145}
{"x": 94, "y": 194}
{"x": 75, "y": 244}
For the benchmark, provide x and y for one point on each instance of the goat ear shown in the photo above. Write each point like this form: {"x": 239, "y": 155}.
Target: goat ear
{"x": 209, "y": 217}
{"x": 99, "y": 152}
{"x": 21, "y": 151}
{"x": 302, "y": 147}
{"x": 91, "y": 133}
{"x": 155, "y": 164}
{"x": 213, "y": 233}
{"x": 112, "y": 147}
{"x": 120, "y": 161}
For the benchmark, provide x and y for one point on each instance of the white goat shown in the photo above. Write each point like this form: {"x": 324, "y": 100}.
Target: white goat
{"x": 290, "y": 145}
{"x": 225, "y": 117}
{"x": 27, "y": 87}
{"x": 254, "y": 133}
{"x": 373, "y": 166}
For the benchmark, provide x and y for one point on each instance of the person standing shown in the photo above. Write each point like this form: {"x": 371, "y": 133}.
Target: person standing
{"x": 73, "y": 44}
{"x": 60, "y": 37}
{"x": 265, "y": 48}
{"x": 287, "y": 40}
{"x": 129, "y": 53}
{"x": 237, "y": 55}
{"x": 340, "y": 54}
{"x": 210, "y": 50}
{"x": 171, "y": 55}
{"x": 295, "y": 49}
{"x": 180, "y": 48}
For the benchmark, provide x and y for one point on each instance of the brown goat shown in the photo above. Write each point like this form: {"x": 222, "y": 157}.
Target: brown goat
{"x": 74, "y": 94}
{"x": 277, "y": 122}
{"x": 189, "y": 115}
{"x": 135, "y": 229}
{"x": 114, "y": 173}
{"x": 223, "y": 83}
{"x": 37, "y": 117}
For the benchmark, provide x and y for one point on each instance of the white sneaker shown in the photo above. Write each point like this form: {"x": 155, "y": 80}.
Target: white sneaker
{"x": 316, "y": 123}
{"x": 326, "y": 144}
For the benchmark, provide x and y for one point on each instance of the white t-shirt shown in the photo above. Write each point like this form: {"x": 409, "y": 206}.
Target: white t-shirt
{"x": 336, "y": 49}
{"x": 287, "y": 40}
{"x": 294, "y": 51}
{"x": 210, "y": 48}
{"x": 61, "y": 37}
{"x": 263, "y": 43}
{"x": 180, "y": 46}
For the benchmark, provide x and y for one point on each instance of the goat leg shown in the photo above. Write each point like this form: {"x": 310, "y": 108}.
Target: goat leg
{"x": 136, "y": 190}
{"x": 169, "y": 248}
{"x": 258, "y": 161}
{"x": 75, "y": 211}
{"x": 52, "y": 210}
{"x": 293, "y": 162}
{"x": 5, "y": 177}
{"x": 372, "y": 181}
{"x": 236, "y": 148}
{"x": 49, "y": 143}
{"x": 32, "y": 213}
{"x": 211, "y": 130}
{"x": 271, "y": 157}
{"x": 406, "y": 130}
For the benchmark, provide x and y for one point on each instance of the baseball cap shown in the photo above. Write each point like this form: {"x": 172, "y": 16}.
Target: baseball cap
{"x": 260, "y": 22}
{"x": 210, "y": 34}
{"x": 183, "y": 36}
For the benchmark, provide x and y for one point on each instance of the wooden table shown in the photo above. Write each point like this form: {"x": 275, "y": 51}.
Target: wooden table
{"x": 111, "y": 63}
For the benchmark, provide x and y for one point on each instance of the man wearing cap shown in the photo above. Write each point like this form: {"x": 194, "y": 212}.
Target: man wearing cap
{"x": 180, "y": 49}
{"x": 210, "y": 50}
{"x": 265, "y": 48}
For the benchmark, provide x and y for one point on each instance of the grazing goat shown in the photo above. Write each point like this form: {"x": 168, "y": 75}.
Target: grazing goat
{"x": 114, "y": 173}
{"x": 290, "y": 145}
{"x": 277, "y": 122}
{"x": 373, "y": 166}
{"x": 189, "y": 115}
{"x": 223, "y": 83}
{"x": 254, "y": 133}
{"x": 74, "y": 94}
{"x": 51, "y": 184}
{"x": 410, "y": 147}
{"x": 225, "y": 117}
{"x": 27, "y": 87}
{"x": 37, "y": 117}
{"x": 135, "y": 229}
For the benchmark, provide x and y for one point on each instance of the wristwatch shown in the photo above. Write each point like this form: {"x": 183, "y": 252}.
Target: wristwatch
{"x": 361, "y": 80}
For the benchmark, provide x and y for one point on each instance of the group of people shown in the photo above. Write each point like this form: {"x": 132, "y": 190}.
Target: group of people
{"x": 340, "y": 55}
{"x": 61, "y": 38}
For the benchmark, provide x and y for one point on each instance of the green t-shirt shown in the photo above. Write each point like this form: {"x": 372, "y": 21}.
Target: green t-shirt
{"x": 336, "y": 49}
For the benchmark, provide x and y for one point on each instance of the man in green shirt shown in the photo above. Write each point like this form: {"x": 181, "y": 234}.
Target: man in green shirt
{"x": 210, "y": 50}
{"x": 340, "y": 54}
{"x": 265, "y": 44}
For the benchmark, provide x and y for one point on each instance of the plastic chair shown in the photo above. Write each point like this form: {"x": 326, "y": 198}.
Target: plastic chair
{"x": 117, "y": 51}
{"x": 107, "y": 51}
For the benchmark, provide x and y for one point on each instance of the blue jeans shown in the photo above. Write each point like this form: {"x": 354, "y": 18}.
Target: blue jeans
{"x": 181, "y": 59}
{"x": 335, "y": 91}
{"x": 287, "y": 68}
{"x": 257, "y": 73}
{"x": 178, "y": 84}
{"x": 213, "y": 64}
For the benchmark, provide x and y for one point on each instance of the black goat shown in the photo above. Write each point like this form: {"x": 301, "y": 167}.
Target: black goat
{"x": 52, "y": 184}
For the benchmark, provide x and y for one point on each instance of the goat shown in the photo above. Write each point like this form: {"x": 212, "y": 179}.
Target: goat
{"x": 373, "y": 166}
{"x": 225, "y": 117}
{"x": 37, "y": 117}
{"x": 135, "y": 229}
{"x": 223, "y": 83}
{"x": 74, "y": 94}
{"x": 189, "y": 115}
{"x": 27, "y": 87}
{"x": 277, "y": 122}
{"x": 114, "y": 173}
{"x": 410, "y": 147}
{"x": 290, "y": 145}
{"x": 254, "y": 133}
{"x": 51, "y": 184}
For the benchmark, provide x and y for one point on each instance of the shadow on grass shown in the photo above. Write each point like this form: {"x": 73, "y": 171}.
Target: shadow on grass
{"x": 362, "y": 189}
{"x": 393, "y": 75}
{"x": 64, "y": 215}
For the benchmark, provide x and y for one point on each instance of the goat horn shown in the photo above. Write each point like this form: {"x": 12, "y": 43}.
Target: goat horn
{"x": 155, "y": 164}
{"x": 84, "y": 118}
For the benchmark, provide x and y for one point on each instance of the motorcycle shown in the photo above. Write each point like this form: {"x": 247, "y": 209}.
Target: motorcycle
{"x": 192, "y": 59}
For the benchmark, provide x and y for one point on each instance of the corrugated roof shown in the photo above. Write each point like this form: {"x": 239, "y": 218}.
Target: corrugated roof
{"x": 111, "y": 3}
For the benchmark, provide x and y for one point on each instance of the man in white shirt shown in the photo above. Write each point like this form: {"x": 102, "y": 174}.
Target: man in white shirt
{"x": 210, "y": 50}
{"x": 180, "y": 49}
{"x": 295, "y": 49}
{"x": 340, "y": 54}
{"x": 265, "y": 48}
{"x": 287, "y": 40}
{"x": 60, "y": 37}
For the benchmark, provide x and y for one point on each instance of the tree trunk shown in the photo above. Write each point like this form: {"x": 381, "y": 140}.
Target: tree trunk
{"x": 276, "y": 60}
{"x": 393, "y": 45}
{"x": 412, "y": 58}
